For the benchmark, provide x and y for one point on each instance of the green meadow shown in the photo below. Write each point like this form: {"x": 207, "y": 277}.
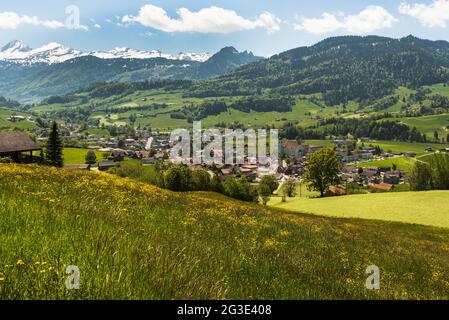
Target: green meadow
{"x": 428, "y": 124}
{"x": 6, "y": 113}
{"x": 401, "y": 146}
{"x": 78, "y": 156}
{"x": 402, "y": 163}
{"x": 427, "y": 207}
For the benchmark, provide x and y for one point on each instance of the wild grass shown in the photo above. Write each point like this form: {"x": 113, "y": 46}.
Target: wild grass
{"x": 134, "y": 241}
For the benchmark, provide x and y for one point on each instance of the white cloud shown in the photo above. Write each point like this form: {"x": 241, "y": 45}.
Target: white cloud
{"x": 97, "y": 26}
{"x": 12, "y": 20}
{"x": 432, "y": 15}
{"x": 368, "y": 20}
{"x": 207, "y": 20}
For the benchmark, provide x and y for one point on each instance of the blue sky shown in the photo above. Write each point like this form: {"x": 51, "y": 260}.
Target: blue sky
{"x": 264, "y": 27}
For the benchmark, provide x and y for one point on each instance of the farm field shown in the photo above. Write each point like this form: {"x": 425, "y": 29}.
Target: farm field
{"x": 427, "y": 207}
{"x": 393, "y": 146}
{"x": 400, "y": 146}
{"x": 156, "y": 244}
{"x": 428, "y": 124}
{"x": 402, "y": 163}
{"x": 304, "y": 111}
{"x": 6, "y": 113}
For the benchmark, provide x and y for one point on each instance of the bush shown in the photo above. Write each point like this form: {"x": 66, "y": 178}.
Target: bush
{"x": 439, "y": 165}
{"x": 200, "y": 180}
{"x": 239, "y": 189}
{"x": 420, "y": 177}
{"x": 91, "y": 157}
{"x": 271, "y": 182}
{"x": 6, "y": 160}
{"x": 177, "y": 178}
{"x": 130, "y": 169}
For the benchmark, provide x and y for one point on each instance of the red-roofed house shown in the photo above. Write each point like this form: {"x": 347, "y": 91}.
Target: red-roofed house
{"x": 381, "y": 186}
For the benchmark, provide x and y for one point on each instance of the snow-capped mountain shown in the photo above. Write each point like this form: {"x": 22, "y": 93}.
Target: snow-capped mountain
{"x": 200, "y": 57}
{"x": 52, "y": 53}
{"x": 54, "y": 69}
{"x": 127, "y": 53}
{"x": 15, "y": 46}
{"x": 20, "y": 53}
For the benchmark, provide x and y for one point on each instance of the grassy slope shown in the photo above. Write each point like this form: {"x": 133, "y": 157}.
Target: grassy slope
{"x": 428, "y": 124}
{"x": 132, "y": 240}
{"x": 403, "y": 163}
{"x": 76, "y": 155}
{"x": 6, "y": 113}
{"x": 428, "y": 208}
{"x": 160, "y": 119}
{"x": 400, "y": 146}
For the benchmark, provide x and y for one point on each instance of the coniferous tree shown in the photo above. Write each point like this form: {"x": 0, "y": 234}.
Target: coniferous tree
{"x": 91, "y": 157}
{"x": 53, "y": 151}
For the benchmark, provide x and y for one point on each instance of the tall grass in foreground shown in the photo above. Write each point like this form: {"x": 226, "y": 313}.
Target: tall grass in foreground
{"x": 135, "y": 241}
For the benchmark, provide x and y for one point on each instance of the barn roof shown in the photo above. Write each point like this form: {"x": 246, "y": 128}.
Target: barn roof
{"x": 16, "y": 142}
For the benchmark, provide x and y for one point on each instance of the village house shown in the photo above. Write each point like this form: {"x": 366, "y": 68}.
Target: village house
{"x": 226, "y": 173}
{"x": 410, "y": 154}
{"x": 381, "y": 186}
{"x": 105, "y": 165}
{"x": 391, "y": 178}
{"x": 343, "y": 148}
{"x": 19, "y": 147}
{"x": 363, "y": 139}
{"x": 291, "y": 148}
{"x": 14, "y": 118}
{"x": 310, "y": 148}
{"x": 338, "y": 190}
{"x": 78, "y": 166}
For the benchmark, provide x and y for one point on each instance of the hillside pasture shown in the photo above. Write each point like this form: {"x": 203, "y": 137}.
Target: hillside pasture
{"x": 427, "y": 207}
{"x": 135, "y": 241}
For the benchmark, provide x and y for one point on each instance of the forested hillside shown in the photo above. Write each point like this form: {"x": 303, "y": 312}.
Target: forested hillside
{"x": 342, "y": 69}
{"x": 40, "y": 80}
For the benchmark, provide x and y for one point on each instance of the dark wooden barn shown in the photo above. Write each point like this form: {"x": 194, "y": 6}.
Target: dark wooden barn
{"x": 18, "y": 146}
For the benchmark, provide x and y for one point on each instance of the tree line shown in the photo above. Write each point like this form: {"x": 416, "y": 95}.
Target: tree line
{"x": 431, "y": 175}
{"x": 247, "y": 104}
{"x": 372, "y": 128}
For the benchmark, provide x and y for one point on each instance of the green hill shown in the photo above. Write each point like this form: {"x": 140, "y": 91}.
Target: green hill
{"x": 135, "y": 241}
{"x": 37, "y": 81}
{"x": 341, "y": 68}
{"x": 20, "y": 124}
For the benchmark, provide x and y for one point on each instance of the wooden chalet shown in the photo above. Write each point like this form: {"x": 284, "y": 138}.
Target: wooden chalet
{"x": 18, "y": 146}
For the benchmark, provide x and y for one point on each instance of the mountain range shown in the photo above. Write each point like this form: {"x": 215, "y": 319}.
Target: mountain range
{"x": 51, "y": 53}
{"x": 340, "y": 69}
{"x": 53, "y": 69}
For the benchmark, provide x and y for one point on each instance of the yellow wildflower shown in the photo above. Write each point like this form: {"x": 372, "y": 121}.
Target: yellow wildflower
{"x": 20, "y": 262}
